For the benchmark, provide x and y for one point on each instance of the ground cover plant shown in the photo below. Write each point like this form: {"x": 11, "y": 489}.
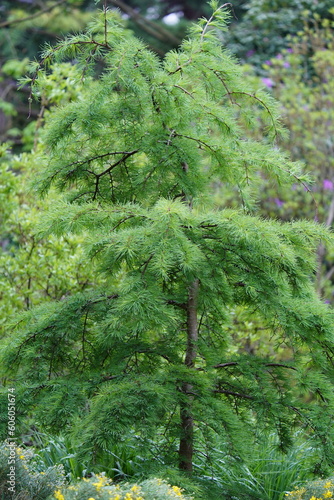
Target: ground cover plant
{"x": 267, "y": 474}
{"x": 144, "y": 358}
{"x": 313, "y": 490}
{"x": 101, "y": 488}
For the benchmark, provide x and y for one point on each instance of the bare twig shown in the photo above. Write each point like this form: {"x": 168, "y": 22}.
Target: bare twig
{"x": 224, "y": 365}
{"x": 211, "y": 19}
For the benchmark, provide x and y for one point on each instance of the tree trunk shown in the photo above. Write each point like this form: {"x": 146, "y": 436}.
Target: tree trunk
{"x": 186, "y": 449}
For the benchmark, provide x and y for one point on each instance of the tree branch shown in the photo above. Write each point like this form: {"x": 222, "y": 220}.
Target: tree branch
{"x": 32, "y": 16}
{"x": 125, "y": 157}
{"x": 177, "y": 304}
{"x": 150, "y": 27}
{"x": 231, "y": 393}
{"x": 224, "y": 365}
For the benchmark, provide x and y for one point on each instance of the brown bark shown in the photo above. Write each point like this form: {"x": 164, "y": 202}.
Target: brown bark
{"x": 321, "y": 254}
{"x": 186, "y": 449}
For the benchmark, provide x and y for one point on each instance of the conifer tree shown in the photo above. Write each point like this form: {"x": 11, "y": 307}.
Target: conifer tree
{"x": 148, "y": 352}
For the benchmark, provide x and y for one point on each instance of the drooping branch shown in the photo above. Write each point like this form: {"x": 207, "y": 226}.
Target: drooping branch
{"x": 199, "y": 141}
{"x": 147, "y": 25}
{"x": 125, "y": 157}
{"x": 209, "y": 21}
{"x": 108, "y": 170}
{"x": 260, "y": 101}
{"x": 280, "y": 365}
{"x": 97, "y": 176}
{"x": 99, "y": 157}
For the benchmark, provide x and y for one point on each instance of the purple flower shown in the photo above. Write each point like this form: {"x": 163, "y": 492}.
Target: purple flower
{"x": 286, "y": 64}
{"x": 327, "y": 184}
{"x": 278, "y": 202}
{"x": 267, "y": 82}
{"x": 250, "y": 53}
{"x": 290, "y": 51}
{"x": 279, "y": 56}
{"x": 327, "y": 301}
{"x": 268, "y": 62}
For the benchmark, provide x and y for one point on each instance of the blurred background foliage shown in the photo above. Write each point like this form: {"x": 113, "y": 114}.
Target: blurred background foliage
{"x": 263, "y": 29}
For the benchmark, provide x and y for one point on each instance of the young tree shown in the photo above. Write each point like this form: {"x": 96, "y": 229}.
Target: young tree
{"x": 148, "y": 350}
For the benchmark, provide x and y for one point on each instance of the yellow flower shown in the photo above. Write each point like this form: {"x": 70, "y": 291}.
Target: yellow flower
{"x": 328, "y": 484}
{"x": 102, "y": 481}
{"x": 91, "y": 498}
{"x": 117, "y": 497}
{"x": 135, "y": 488}
{"x": 328, "y": 494}
{"x": 177, "y": 491}
{"x": 58, "y": 495}
{"x": 21, "y": 457}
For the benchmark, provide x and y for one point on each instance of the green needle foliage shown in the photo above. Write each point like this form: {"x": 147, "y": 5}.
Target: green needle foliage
{"x": 147, "y": 353}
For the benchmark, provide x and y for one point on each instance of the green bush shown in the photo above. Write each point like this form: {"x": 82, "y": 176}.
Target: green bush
{"x": 21, "y": 478}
